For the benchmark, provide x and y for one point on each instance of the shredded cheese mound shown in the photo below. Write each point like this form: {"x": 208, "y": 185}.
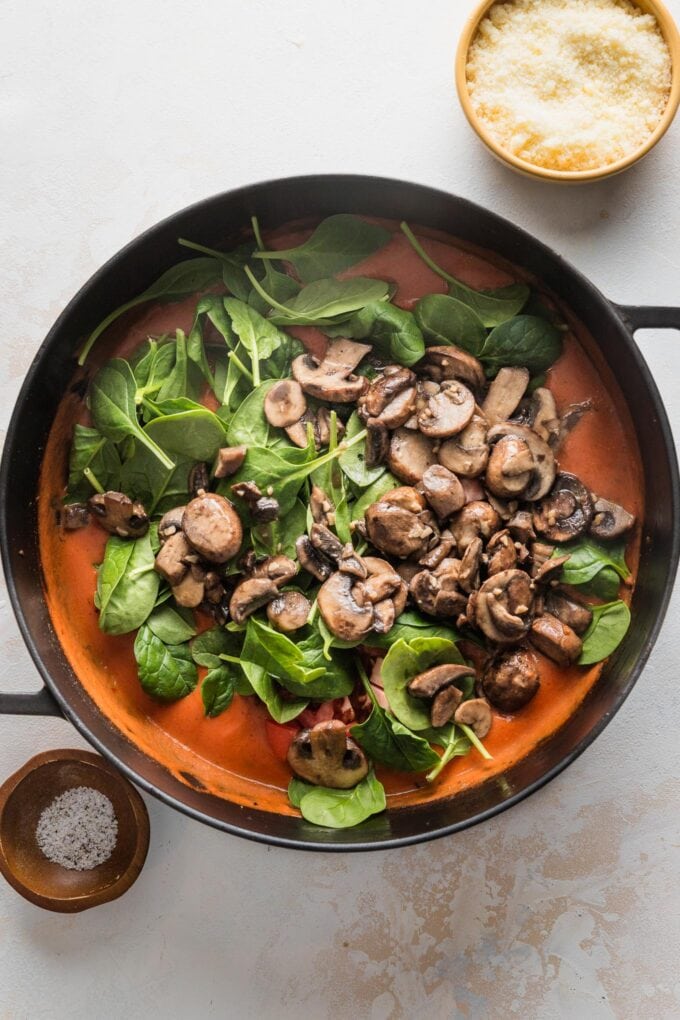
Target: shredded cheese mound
{"x": 569, "y": 84}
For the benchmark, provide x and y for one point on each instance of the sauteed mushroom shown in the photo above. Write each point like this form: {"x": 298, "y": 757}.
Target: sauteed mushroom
{"x": 569, "y": 611}
{"x": 75, "y": 516}
{"x": 510, "y": 467}
{"x": 118, "y": 514}
{"x": 448, "y": 412}
{"x": 331, "y": 379}
{"x": 383, "y": 391}
{"x": 341, "y": 613}
{"x": 468, "y": 453}
{"x": 410, "y": 455}
{"x": 325, "y": 542}
{"x": 476, "y": 519}
{"x": 213, "y": 527}
{"x": 285, "y": 403}
{"x": 377, "y": 445}
{"x": 452, "y": 362}
{"x": 314, "y": 562}
{"x": 279, "y": 569}
{"x": 544, "y": 419}
{"x": 544, "y": 460}
{"x": 190, "y": 591}
{"x": 505, "y": 393}
{"x": 171, "y": 562}
{"x": 289, "y": 611}
{"x": 395, "y": 526}
{"x": 476, "y": 714}
{"x": 170, "y": 523}
{"x": 326, "y": 756}
{"x": 556, "y": 639}
{"x": 511, "y": 680}
{"x": 250, "y": 595}
{"x": 503, "y": 606}
{"x": 566, "y": 512}
{"x": 609, "y": 519}
{"x": 442, "y": 490}
{"x": 229, "y": 460}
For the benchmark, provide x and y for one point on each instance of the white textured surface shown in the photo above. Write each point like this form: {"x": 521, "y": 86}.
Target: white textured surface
{"x": 566, "y": 907}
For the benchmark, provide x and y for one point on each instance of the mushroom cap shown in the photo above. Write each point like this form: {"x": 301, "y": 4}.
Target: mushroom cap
{"x": 453, "y": 362}
{"x": 285, "y": 403}
{"x": 545, "y": 468}
{"x": 609, "y": 519}
{"x": 443, "y": 490}
{"x": 250, "y": 595}
{"x": 118, "y": 514}
{"x": 340, "y": 611}
{"x": 566, "y": 511}
{"x": 448, "y": 412}
{"x": 395, "y": 529}
{"x": 569, "y": 611}
{"x": 399, "y": 409}
{"x": 313, "y": 561}
{"x": 213, "y": 527}
{"x": 383, "y": 390}
{"x": 189, "y": 592}
{"x": 289, "y": 611}
{"x": 170, "y": 523}
{"x": 510, "y": 468}
{"x": 326, "y": 542}
{"x": 228, "y": 461}
{"x": 468, "y": 453}
{"x": 430, "y": 682}
{"x": 505, "y": 393}
{"x": 501, "y": 553}
{"x": 511, "y": 679}
{"x": 476, "y": 519}
{"x": 170, "y": 561}
{"x": 280, "y": 569}
{"x": 326, "y": 756}
{"x": 377, "y": 446}
{"x": 503, "y": 606}
{"x": 331, "y": 379}
{"x": 444, "y": 706}
{"x": 410, "y": 455}
{"x": 476, "y": 714}
{"x": 556, "y": 639}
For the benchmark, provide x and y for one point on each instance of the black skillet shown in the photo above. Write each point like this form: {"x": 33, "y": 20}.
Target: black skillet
{"x": 215, "y": 221}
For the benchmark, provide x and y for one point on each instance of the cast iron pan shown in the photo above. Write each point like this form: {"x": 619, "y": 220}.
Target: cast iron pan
{"x": 214, "y": 221}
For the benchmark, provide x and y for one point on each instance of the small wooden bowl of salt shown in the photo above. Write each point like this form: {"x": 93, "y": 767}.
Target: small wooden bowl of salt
{"x": 73, "y": 832}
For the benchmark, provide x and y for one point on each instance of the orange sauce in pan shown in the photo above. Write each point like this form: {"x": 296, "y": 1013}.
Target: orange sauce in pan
{"x": 230, "y": 756}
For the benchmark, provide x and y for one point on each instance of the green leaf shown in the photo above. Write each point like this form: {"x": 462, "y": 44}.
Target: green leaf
{"x": 297, "y": 788}
{"x": 372, "y": 494}
{"x": 337, "y": 243}
{"x": 525, "y": 340}
{"x": 143, "y": 477}
{"x": 184, "y": 380}
{"x": 299, "y": 666}
{"x": 456, "y": 745}
{"x": 196, "y": 434}
{"x": 127, "y": 584}
{"x": 280, "y": 535}
{"x": 607, "y": 630}
{"x": 342, "y": 809}
{"x": 324, "y": 301}
{"x": 604, "y": 585}
{"x": 166, "y": 672}
{"x": 112, "y": 405}
{"x": 249, "y": 427}
{"x": 587, "y": 558}
{"x": 91, "y": 450}
{"x": 281, "y": 286}
{"x": 257, "y": 334}
{"x": 217, "y": 690}
{"x": 403, "y": 662}
{"x": 353, "y": 461}
{"x": 177, "y": 282}
{"x": 412, "y": 625}
{"x": 172, "y": 625}
{"x": 153, "y": 368}
{"x": 393, "y": 332}
{"x": 444, "y": 320}
{"x": 386, "y": 740}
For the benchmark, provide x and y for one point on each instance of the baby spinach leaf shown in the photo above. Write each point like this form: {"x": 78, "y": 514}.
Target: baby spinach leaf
{"x": 112, "y": 405}
{"x": 299, "y": 666}
{"x": 524, "y": 340}
{"x": 342, "y": 809}
{"x": 607, "y": 630}
{"x": 386, "y": 740}
{"x": 207, "y": 648}
{"x": 249, "y": 427}
{"x": 393, "y": 332}
{"x": 166, "y": 672}
{"x": 143, "y": 477}
{"x": 280, "y": 535}
{"x": 324, "y": 301}
{"x": 456, "y": 745}
{"x": 444, "y": 320}
{"x": 340, "y": 241}
{"x": 257, "y": 334}
{"x": 372, "y": 494}
{"x": 604, "y": 585}
{"x": 172, "y": 625}
{"x": 91, "y": 450}
{"x": 587, "y": 558}
{"x": 353, "y": 461}
{"x": 153, "y": 368}
{"x": 232, "y": 265}
{"x": 410, "y": 625}
{"x": 263, "y": 684}
{"x": 127, "y": 584}
{"x": 297, "y": 788}
{"x": 197, "y": 434}
{"x": 177, "y": 282}
{"x": 217, "y": 690}
{"x": 403, "y": 662}
{"x": 184, "y": 380}
{"x": 281, "y": 286}
{"x": 492, "y": 306}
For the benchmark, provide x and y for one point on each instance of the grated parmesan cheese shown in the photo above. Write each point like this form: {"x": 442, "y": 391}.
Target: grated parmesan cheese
{"x": 569, "y": 84}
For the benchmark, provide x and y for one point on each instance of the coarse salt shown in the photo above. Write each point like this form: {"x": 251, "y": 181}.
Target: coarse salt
{"x": 78, "y": 830}
{"x": 569, "y": 84}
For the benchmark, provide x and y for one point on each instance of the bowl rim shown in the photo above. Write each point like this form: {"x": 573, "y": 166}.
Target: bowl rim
{"x": 671, "y": 34}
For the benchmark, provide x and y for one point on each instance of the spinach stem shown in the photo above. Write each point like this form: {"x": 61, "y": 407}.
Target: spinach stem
{"x": 326, "y": 458}
{"x": 419, "y": 250}
{"x": 230, "y": 658}
{"x": 240, "y": 366}
{"x": 333, "y": 428}
{"x": 367, "y": 683}
{"x": 168, "y": 464}
{"x": 222, "y": 256}
{"x": 263, "y": 293}
{"x": 255, "y": 362}
{"x": 93, "y": 480}
{"x": 104, "y": 325}
{"x": 256, "y": 232}
{"x": 313, "y": 613}
{"x": 475, "y": 741}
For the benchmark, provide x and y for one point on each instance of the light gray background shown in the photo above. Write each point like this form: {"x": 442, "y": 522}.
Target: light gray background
{"x": 114, "y": 115}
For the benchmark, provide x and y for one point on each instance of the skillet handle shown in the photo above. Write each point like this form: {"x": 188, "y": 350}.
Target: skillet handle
{"x": 39, "y": 703}
{"x": 650, "y": 317}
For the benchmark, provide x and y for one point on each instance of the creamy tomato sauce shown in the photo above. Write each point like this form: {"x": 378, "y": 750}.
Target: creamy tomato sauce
{"x": 230, "y": 755}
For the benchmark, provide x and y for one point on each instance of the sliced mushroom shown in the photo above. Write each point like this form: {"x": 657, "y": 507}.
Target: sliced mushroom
{"x": 452, "y": 362}
{"x": 468, "y": 453}
{"x": 190, "y": 591}
{"x": 118, "y": 514}
{"x": 383, "y": 390}
{"x": 609, "y": 519}
{"x": 325, "y": 542}
{"x": 331, "y": 379}
{"x": 382, "y": 583}
{"x": 170, "y": 523}
{"x": 400, "y": 409}
{"x": 556, "y": 640}
{"x": 229, "y": 460}
{"x": 443, "y": 491}
{"x": 503, "y": 606}
{"x": 384, "y": 615}
{"x": 340, "y": 611}
{"x": 501, "y": 552}
{"x": 171, "y": 562}
{"x": 544, "y": 460}
{"x": 323, "y": 511}
{"x": 199, "y": 479}
{"x": 75, "y": 516}
{"x": 566, "y": 512}
{"x": 394, "y": 524}
{"x": 521, "y": 526}
{"x": 214, "y": 589}
{"x": 314, "y": 562}
{"x": 344, "y": 356}
{"x": 476, "y": 519}
{"x": 569, "y": 611}
{"x": 505, "y": 393}
{"x": 289, "y": 611}
{"x": 285, "y": 403}
{"x": 250, "y": 595}
{"x": 439, "y": 552}
{"x": 511, "y": 680}
{"x": 377, "y": 445}
{"x": 213, "y": 527}
{"x": 431, "y": 681}
{"x": 447, "y": 412}
{"x": 550, "y": 570}
{"x": 410, "y": 455}
{"x": 444, "y": 706}
{"x": 510, "y": 468}
{"x": 279, "y": 569}
{"x": 326, "y": 756}
{"x": 351, "y": 563}
{"x": 476, "y": 714}
{"x": 544, "y": 418}
{"x": 468, "y": 573}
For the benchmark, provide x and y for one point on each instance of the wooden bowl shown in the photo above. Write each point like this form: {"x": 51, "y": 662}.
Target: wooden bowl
{"x": 28, "y": 792}
{"x": 670, "y": 33}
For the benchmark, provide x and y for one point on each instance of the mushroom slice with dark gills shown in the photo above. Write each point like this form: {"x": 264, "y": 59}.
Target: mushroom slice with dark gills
{"x": 170, "y": 523}
{"x": 326, "y": 756}
{"x": 609, "y": 519}
{"x": 569, "y": 611}
{"x": 395, "y": 524}
{"x": 118, "y": 514}
{"x": 289, "y": 611}
{"x": 250, "y": 595}
{"x": 377, "y": 445}
{"x": 400, "y": 409}
{"x": 75, "y": 516}
{"x": 468, "y": 453}
{"x": 447, "y": 412}
{"x": 451, "y": 362}
{"x": 438, "y": 684}
{"x": 229, "y": 460}
{"x": 351, "y": 563}
{"x": 199, "y": 479}
{"x": 468, "y": 573}
{"x": 505, "y": 393}
{"x": 384, "y": 582}
{"x": 510, "y": 468}
{"x": 279, "y": 569}
{"x": 511, "y": 679}
{"x": 383, "y": 390}
{"x": 566, "y": 512}
{"x": 212, "y": 527}
{"x": 341, "y": 612}
{"x": 313, "y": 561}
{"x": 325, "y": 542}
{"x": 477, "y": 519}
{"x": 476, "y": 714}
{"x": 323, "y": 511}
{"x": 443, "y": 491}
{"x": 545, "y": 420}
{"x": 410, "y": 455}
{"x": 285, "y": 403}
{"x": 501, "y": 553}
{"x": 436, "y": 592}
{"x": 556, "y": 639}
{"x": 331, "y": 379}
{"x": 503, "y": 606}
{"x": 544, "y": 470}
